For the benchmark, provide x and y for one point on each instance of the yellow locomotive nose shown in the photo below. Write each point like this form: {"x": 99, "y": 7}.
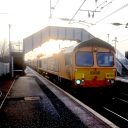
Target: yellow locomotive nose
{"x": 92, "y": 77}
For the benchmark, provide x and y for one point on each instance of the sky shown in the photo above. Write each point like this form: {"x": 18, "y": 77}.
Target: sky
{"x": 96, "y": 16}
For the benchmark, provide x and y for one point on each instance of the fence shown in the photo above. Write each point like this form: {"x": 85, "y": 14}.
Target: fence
{"x": 4, "y": 68}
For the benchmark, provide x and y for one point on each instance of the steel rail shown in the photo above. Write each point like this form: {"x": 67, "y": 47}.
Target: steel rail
{"x": 0, "y": 93}
{"x": 7, "y": 94}
{"x": 115, "y": 114}
{"x": 120, "y": 99}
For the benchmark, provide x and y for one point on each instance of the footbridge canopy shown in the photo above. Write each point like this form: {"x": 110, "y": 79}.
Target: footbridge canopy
{"x": 57, "y": 33}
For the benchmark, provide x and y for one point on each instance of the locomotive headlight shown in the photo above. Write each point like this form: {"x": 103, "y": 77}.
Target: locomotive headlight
{"x": 108, "y": 80}
{"x": 112, "y": 81}
{"x": 82, "y": 80}
{"x": 78, "y": 81}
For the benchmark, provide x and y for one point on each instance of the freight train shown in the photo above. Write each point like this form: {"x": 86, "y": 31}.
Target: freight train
{"x": 90, "y": 64}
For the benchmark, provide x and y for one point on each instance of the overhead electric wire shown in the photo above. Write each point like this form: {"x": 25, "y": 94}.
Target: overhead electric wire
{"x": 77, "y": 11}
{"x": 51, "y": 13}
{"x": 106, "y": 5}
{"x": 112, "y": 13}
{"x": 123, "y": 40}
{"x": 101, "y": 4}
{"x": 56, "y": 4}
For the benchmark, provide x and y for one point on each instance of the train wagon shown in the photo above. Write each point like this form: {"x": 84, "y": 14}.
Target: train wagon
{"x": 18, "y": 65}
{"x": 90, "y": 64}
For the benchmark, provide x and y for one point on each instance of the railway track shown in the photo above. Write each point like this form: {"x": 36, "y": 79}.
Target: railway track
{"x": 3, "y": 96}
{"x": 114, "y": 109}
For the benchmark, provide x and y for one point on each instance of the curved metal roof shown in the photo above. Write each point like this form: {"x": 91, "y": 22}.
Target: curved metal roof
{"x": 96, "y": 42}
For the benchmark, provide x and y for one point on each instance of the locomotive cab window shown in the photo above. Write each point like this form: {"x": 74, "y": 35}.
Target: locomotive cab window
{"x": 84, "y": 58}
{"x": 105, "y": 59}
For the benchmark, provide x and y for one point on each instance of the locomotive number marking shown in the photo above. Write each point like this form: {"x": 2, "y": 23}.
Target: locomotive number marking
{"x": 94, "y": 72}
{"x": 109, "y": 75}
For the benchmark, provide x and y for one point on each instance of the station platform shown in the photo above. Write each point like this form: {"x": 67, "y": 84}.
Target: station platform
{"x": 31, "y": 103}
{"x": 122, "y": 79}
{"x": 28, "y": 106}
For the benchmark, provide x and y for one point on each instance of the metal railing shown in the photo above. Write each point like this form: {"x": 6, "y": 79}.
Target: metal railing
{"x": 0, "y": 93}
{"x": 121, "y": 59}
{"x": 118, "y": 67}
{"x": 4, "y": 68}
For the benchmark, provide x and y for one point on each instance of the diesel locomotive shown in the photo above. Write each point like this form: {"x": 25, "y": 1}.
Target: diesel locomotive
{"x": 90, "y": 64}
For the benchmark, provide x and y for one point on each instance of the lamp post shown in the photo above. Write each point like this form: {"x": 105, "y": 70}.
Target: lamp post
{"x": 115, "y": 40}
{"x": 9, "y": 27}
{"x": 10, "y": 56}
{"x": 10, "y": 64}
{"x": 108, "y": 37}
